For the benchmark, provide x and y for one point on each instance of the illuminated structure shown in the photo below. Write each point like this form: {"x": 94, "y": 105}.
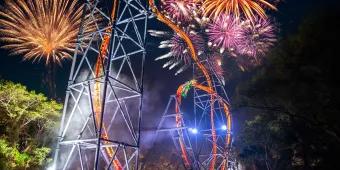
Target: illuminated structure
{"x": 191, "y": 131}
{"x": 101, "y": 122}
{"x": 208, "y": 86}
{"x": 100, "y": 126}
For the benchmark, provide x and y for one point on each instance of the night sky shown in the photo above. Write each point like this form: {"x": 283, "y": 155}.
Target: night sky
{"x": 13, "y": 68}
{"x": 159, "y": 82}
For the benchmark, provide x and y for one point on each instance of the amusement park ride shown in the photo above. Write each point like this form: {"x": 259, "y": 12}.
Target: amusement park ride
{"x": 192, "y": 134}
{"x": 101, "y": 122}
{"x": 100, "y": 126}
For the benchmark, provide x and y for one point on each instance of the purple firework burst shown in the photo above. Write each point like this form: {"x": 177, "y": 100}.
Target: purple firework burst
{"x": 179, "y": 10}
{"x": 180, "y": 50}
{"x": 225, "y": 33}
{"x": 258, "y": 38}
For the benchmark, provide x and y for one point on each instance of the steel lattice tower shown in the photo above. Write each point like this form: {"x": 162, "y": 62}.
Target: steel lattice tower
{"x": 196, "y": 130}
{"x": 100, "y": 125}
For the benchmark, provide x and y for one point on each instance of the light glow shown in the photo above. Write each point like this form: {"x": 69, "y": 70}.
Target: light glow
{"x": 193, "y": 130}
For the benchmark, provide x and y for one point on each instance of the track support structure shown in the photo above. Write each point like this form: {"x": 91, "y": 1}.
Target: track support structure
{"x": 100, "y": 124}
{"x": 195, "y": 130}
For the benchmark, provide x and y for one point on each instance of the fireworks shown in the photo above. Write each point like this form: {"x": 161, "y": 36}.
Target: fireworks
{"x": 41, "y": 29}
{"x": 249, "y": 8}
{"x": 179, "y": 53}
{"x": 258, "y": 38}
{"x": 178, "y": 10}
{"x": 180, "y": 50}
{"x": 215, "y": 63}
{"x": 244, "y": 62}
{"x": 225, "y": 33}
{"x": 236, "y": 28}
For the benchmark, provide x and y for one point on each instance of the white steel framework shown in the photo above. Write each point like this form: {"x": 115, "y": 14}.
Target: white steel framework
{"x": 110, "y": 138}
{"x": 195, "y": 130}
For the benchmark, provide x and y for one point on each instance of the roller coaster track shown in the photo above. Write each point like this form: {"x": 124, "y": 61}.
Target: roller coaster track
{"x": 208, "y": 89}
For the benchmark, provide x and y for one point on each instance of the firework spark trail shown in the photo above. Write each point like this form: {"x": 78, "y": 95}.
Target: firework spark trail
{"x": 179, "y": 54}
{"x": 42, "y": 29}
{"x": 178, "y": 10}
{"x": 258, "y": 38}
{"x": 184, "y": 36}
{"x": 48, "y": 29}
{"x": 249, "y": 8}
{"x": 225, "y": 33}
{"x": 215, "y": 64}
{"x": 194, "y": 56}
{"x": 180, "y": 49}
{"x": 223, "y": 38}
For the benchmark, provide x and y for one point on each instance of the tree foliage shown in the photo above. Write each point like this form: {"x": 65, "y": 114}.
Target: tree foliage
{"x": 27, "y": 124}
{"x": 293, "y": 102}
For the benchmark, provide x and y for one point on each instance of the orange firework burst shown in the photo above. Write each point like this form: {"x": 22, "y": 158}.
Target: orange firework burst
{"x": 247, "y": 8}
{"x": 41, "y": 29}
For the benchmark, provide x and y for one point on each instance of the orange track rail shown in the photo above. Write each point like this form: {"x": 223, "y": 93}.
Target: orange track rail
{"x": 97, "y": 105}
{"x": 225, "y": 109}
{"x": 209, "y": 89}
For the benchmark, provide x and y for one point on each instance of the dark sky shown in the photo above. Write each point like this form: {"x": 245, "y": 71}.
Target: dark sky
{"x": 160, "y": 81}
{"x": 30, "y": 74}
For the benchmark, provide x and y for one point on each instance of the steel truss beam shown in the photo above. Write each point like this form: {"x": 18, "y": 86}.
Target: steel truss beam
{"x": 82, "y": 142}
{"x": 199, "y": 146}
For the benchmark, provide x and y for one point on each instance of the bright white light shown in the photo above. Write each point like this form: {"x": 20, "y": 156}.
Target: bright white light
{"x": 193, "y": 130}
{"x": 51, "y": 167}
{"x": 224, "y": 127}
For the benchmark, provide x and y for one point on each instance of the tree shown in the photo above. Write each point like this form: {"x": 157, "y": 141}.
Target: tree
{"x": 27, "y": 124}
{"x": 293, "y": 102}
{"x": 162, "y": 155}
